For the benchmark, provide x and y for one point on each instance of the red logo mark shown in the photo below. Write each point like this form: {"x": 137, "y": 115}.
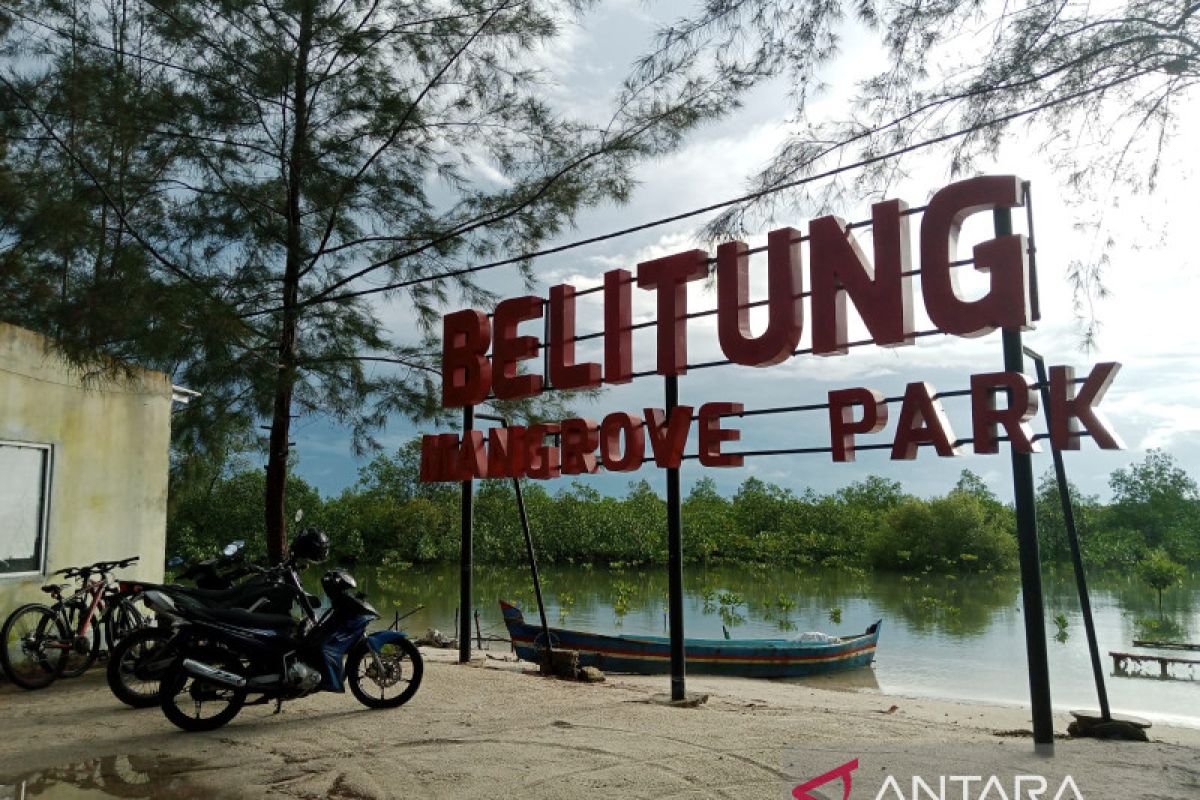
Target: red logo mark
{"x": 843, "y": 772}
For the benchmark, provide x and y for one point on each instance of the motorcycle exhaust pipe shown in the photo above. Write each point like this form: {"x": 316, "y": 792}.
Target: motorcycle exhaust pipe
{"x": 211, "y": 673}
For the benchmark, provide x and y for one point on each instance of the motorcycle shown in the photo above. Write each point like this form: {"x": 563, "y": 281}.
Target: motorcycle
{"x": 137, "y": 662}
{"x": 221, "y": 572}
{"x": 224, "y": 656}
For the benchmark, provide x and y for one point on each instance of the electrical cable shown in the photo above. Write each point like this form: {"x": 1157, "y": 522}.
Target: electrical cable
{"x": 323, "y": 296}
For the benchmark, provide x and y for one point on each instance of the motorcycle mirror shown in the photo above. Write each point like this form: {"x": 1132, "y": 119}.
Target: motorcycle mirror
{"x": 299, "y": 514}
{"x": 233, "y": 548}
{"x": 175, "y": 561}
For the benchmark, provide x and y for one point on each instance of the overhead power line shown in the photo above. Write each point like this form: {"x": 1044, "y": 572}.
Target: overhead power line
{"x": 941, "y": 139}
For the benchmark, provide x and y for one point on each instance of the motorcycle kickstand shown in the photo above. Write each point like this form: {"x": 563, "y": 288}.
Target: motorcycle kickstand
{"x": 278, "y": 706}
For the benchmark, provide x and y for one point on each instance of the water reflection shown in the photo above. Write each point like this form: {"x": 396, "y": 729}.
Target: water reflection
{"x": 131, "y": 776}
{"x": 936, "y": 604}
{"x": 942, "y": 636}
{"x": 751, "y": 602}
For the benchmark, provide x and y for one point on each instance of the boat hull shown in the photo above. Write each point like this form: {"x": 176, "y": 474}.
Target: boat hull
{"x": 651, "y": 655}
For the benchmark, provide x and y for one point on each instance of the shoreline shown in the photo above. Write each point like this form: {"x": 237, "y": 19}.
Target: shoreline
{"x": 1185, "y": 723}
{"x": 494, "y": 728}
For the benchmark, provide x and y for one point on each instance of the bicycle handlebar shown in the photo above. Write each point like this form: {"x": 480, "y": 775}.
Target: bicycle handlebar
{"x": 102, "y": 567}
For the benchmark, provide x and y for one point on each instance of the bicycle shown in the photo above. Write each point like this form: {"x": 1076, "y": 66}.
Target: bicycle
{"x": 40, "y": 643}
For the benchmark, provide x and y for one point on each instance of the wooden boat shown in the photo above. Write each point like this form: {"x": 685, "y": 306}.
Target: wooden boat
{"x": 648, "y": 655}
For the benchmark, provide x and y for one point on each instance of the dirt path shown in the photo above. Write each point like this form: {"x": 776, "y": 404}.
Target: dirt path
{"x": 490, "y": 730}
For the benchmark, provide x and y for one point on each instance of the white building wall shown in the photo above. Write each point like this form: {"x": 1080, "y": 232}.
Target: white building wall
{"x": 106, "y": 443}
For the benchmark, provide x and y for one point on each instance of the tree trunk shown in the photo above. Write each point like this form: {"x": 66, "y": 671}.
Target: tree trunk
{"x": 285, "y": 380}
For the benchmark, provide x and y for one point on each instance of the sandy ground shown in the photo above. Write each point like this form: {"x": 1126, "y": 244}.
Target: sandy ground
{"x": 492, "y": 729}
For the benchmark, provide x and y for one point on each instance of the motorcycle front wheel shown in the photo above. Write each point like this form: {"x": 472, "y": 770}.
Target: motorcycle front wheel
{"x": 388, "y": 681}
{"x": 201, "y": 704}
{"x": 121, "y": 620}
{"x": 136, "y": 665}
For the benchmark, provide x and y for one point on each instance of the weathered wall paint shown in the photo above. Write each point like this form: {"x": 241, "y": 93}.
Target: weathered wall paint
{"x": 108, "y": 484}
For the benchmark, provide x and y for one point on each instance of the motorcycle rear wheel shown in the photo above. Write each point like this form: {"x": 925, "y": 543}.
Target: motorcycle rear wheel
{"x": 183, "y": 696}
{"x": 402, "y": 668}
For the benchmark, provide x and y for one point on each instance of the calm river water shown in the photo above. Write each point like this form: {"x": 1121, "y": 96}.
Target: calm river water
{"x": 942, "y": 636}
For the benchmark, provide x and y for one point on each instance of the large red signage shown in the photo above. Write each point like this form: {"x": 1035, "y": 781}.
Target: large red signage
{"x": 880, "y": 289}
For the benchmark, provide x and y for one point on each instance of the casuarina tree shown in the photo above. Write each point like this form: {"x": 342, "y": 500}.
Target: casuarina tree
{"x": 294, "y": 154}
{"x": 1101, "y": 87}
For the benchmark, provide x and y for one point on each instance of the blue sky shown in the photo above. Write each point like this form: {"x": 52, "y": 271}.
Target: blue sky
{"x": 1147, "y": 319}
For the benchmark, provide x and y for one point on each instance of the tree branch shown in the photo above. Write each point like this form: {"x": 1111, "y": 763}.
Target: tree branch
{"x": 347, "y": 185}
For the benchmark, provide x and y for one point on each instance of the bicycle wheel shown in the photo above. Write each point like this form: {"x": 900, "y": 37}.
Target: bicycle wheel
{"x": 136, "y": 666}
{"x": 122, "y": 618}
{"x": 84, "y": 649}
{"x": 35, "y": 646}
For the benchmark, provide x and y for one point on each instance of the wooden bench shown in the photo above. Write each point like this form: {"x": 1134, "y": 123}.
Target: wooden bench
{"x": 1166, "y": 645}
{"x": 1121, "y": 661}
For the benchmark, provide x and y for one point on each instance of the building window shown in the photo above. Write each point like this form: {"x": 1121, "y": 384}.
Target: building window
{"x": 24, "y": 503}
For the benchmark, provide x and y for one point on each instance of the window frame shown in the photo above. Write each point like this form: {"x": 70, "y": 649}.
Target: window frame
{"x": 44, "y": 510}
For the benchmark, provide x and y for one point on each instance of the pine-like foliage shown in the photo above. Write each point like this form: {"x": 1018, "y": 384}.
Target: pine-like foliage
{"x": 206, "y": 187}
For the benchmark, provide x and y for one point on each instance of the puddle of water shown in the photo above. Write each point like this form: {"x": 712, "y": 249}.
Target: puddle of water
{"x": 110, "y": 776}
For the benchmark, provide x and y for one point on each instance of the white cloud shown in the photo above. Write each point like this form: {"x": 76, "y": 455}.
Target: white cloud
{"x": 1148, "y": 320}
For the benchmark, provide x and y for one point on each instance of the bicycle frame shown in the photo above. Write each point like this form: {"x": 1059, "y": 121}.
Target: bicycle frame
{"x": 97, "y": 589}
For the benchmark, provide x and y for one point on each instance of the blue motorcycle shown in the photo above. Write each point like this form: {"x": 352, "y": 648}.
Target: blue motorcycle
{"x": 223, "y": 656}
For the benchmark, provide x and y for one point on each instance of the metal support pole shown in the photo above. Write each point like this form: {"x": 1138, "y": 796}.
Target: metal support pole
{"x": 1027, "y": 545}
{"x": 675, "y": 560}
{"x": 467, "y": 553}
{"x": 1064, "y": 497}
{"x": 533, "y": 567}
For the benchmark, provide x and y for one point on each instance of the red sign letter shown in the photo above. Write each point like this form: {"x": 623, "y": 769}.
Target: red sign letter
{"x": 670, "y": 276}
{"x": 610, "y": 442}
{"x": 472, "y": 458}
{"x": 541, "y": 460}
{"x": 564, "y": 372}
{"x": 1006, "y": 304}
{"x": 712, "y": 434}
{"x": 1066, "y": 407}
{"x": 986, "y": 417}
{"x": 505, "y": 452}
{"x": 883, "y": 297}
{"x": 466, "y": 372}
{"x": 580, "y": 438}
{"x": 439, "y": 457}
{"x": 842, "y": 426}
{"x": 667, "y": 437}
{"x": 511, "y": 349}
{"x": 618, "y": 335}
{"x": 785, "y": 309}
{"x": 922, "y": 421}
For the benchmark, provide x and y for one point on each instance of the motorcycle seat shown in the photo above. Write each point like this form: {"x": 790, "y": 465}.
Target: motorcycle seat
{"x": 214, "y": 596}
{"x": 247, "y": 619}
{"x": 207, "y": 597}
